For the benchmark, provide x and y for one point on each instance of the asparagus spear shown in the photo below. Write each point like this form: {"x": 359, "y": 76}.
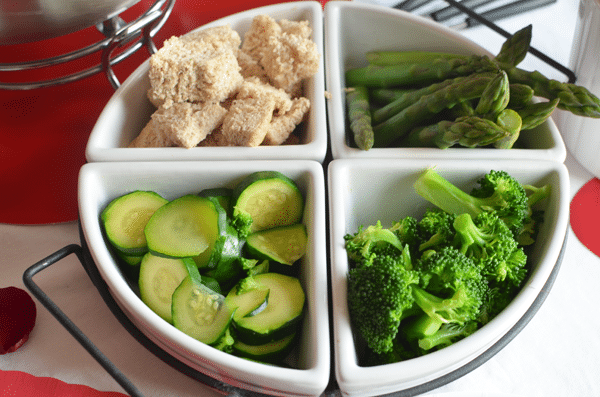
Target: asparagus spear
{"x": 510, "y": 121}
{"x": 515, "y": 48}
{"x": 520, "y": 95}
{"x": 359, "y": 114}
{"x": 385, "y": 96}
{"x": 428, "y": 105}
{"x": 382, "y": 114}
{"x": 495, "y": 97}
{"x": 439, "y": 69}
{"x": 535, "y": 114}
{"x": 576, "y": 99}
{"x": 386, "y": 58}
{"x": 468, "y": 131}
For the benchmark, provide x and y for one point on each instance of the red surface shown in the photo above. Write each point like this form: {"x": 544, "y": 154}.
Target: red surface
{"x": 21, "y": 384}
{"x": 43, "y": 132}
{"x": 585, "y": 215}
{"x": 17, "y": 318}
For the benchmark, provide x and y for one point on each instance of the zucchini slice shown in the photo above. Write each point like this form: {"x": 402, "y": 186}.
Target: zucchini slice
{"x": 184, "y": 227}
{"x": 200, "y": 312}
{"x": 270, "y": 198}
{"x": 125, "y": 218}
{"x": 248, "y": 303}
{"x": 285, "y": 244}
{"x": 282, "y": 315}
{"x": 272, "y": 352}
{"x": 226, "y": 245}
{"x": 222, "y": 194}
{"x": 158, "y": 279}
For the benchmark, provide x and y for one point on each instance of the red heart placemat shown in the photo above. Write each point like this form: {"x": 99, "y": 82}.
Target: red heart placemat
{"x": 43, "y": 132}
{"x": 585, "y": 215}
{"x": 21, "y": 384}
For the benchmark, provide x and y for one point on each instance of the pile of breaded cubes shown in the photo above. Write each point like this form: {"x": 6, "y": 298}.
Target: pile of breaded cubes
{"x": 211, "y": 89}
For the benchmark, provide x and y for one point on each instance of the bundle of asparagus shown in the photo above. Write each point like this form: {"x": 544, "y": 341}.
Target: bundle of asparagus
{"x": 433, "y": 99}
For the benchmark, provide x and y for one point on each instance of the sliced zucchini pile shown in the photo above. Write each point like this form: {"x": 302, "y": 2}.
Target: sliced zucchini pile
{"x": 220, "y": 264}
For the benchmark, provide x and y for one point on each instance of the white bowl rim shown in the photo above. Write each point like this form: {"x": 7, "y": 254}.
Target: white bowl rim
{"x": 368, "y": 380}
{"x": 336, "y": 118}
{"x": 222, "y": 366}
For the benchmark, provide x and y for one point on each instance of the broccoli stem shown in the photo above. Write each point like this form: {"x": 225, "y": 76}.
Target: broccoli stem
{"x": 421, "y": 326}
{"x": 446, "y": 335}
{"x": 446, "y": 196}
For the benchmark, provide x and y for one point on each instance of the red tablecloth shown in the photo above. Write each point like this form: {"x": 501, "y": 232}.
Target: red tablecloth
{"x": 43, "y": 132}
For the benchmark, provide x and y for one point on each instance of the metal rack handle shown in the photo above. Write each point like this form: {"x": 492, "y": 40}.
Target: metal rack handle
{"x": 66, "y": 322}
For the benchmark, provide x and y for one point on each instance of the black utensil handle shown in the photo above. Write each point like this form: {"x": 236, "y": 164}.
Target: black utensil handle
{"x": 508, "y": 10}
{"x": 410, "y": 5}
{"x": 449, "y": 12}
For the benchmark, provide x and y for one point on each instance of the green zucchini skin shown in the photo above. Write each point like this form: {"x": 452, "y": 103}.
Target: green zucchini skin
{"x": 125, "y": 218}
{"x": 271, "y": 352}
{"x": 282, "y": 316}
{"x": 222, "y": 194}
{"x": 225, "y": 246}
{"x": 270, "y": 198}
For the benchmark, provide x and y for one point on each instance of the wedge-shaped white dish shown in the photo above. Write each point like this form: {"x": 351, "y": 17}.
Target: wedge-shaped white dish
{"x": 353, "y": 28}
{"x": 361, "y": 192}
{"x": 99, "y": 183}
{"x": 129, "y": 109}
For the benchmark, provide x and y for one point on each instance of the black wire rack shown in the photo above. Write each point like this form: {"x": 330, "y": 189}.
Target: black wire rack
{"x": 83, "y": 254}
{"x": 129, "y": 36}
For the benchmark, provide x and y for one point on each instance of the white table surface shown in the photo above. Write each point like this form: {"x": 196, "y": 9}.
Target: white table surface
{"x": 556, "y": 354}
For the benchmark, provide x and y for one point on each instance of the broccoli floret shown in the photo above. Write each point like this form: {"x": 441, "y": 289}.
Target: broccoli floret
{"x": 379, "y": 293}
{"x": 435, "y": 229}
{"x": 488, "y": 241}
{"x": 497, "y": 191}
{"x": 406, "y": 230}
{"x": 452, "y": 286}
{"x": 242, "y": 223}
{"x": 510, "y": 269}
{"x": 375, "y": 239}
{"x": 497, "y": 298}
{"x": 484, "y": 237}
{"x": 535, "y": 218}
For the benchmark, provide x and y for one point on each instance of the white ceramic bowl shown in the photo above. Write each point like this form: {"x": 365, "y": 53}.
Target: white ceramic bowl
{"x": 353, "y": 28}
{"x": 129, "y": 109}
{"x": 99, "y": 183}
{"x": 361, "y": 192}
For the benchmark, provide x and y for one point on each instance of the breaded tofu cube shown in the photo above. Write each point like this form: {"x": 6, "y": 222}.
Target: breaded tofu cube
{"x": 257, "y": 36}
{"x": 283, "y": 49}
{"x": 182, "y": 124}
{"x": 253, "y": 87}
{"x": 218, "y": 37}
{"x": 185, "y": 70}
{"x": 289, "y": 59}
{"x": 300, "y": 28}
{"x": 248, "y": 121}
{"x": 283, "y": 125}
{"x": 250, "y": 67}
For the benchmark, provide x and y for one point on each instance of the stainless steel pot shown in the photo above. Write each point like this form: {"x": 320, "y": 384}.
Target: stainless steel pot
{"x": 23, "y": 21}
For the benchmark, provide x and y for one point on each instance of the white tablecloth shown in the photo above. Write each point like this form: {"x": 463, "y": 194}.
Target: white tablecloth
{"x": 557, "y": 354}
